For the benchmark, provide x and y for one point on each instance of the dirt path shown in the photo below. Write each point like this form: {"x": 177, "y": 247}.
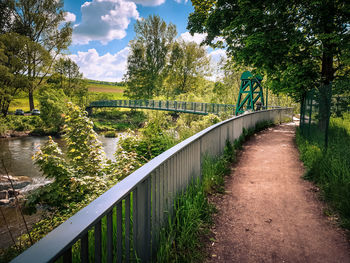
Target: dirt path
{"x": 269, "y": 213}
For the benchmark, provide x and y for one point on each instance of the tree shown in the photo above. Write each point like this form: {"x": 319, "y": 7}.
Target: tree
{"x": 297, "y": 44}
{"x": 187, "y": 64}
{"x": 13, "y": 68}
{"x": 42, "y": 22}
{"x": 147, "y": 60}
{"x": 5, "y": 16}
{"x": 53, "y": 107}
{"x": 68, "y": 77}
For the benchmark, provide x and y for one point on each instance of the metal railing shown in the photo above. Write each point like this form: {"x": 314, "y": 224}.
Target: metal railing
{"x": 176, "y": 106}
{"x": 124, "y": 223}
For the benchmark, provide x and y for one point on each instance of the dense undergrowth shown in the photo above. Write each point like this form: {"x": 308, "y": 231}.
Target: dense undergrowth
{"x": 111, "y": 121}
{"x": 19, "y": 123}
{"x": 330, "y": 169}
{"x": 182, "y": 239}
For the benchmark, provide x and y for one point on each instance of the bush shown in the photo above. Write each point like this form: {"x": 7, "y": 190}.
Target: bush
{"x": 53, "y": 108}
{"x": 111, "y": 134}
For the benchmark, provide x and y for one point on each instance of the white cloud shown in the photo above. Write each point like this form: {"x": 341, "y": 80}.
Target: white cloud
{"x": 108, "y": 67}
{"x": 198, "y": 38}
{"x": 179, "y": 1}
{"x": 69, "y": 17}
{"x": 215, "y": 58}
{"x": 104, "y": 20}
{"x": 148, "y": 2}
{"x": 218, "y": 54}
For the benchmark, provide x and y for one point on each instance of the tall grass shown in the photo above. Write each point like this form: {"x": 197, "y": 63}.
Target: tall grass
{"x": 330, "y": 169}
{"x": 181, "y": 240}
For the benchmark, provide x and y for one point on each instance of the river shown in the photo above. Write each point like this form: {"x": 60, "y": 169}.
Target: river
{"x": 17, "y": 153}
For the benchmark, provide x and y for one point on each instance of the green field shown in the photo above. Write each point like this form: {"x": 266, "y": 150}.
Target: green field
{"x": 97, "y": 91}
{"x": 105, "y": 88}
{"x": 21, "y": 101}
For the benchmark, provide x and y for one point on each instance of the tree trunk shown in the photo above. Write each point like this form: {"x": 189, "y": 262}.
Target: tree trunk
{"x": 31, "y": 99}
{"x": 327, "y": 71}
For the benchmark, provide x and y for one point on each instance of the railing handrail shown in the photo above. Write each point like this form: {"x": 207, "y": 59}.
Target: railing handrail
{"x": 65, "y": 235}
{"x": 170, "y": 105}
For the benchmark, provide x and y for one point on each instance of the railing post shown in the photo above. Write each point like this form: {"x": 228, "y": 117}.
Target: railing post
{"x": 142, "y": 220}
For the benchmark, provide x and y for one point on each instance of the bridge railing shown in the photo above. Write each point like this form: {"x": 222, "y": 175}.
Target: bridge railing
{"x": 123, "y": 224}
{"x": 177, "y": 106}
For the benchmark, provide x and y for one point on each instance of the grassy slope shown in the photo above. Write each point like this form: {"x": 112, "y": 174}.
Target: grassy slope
{"x": 330, "y": 170}
{"x": 95, "y": 89}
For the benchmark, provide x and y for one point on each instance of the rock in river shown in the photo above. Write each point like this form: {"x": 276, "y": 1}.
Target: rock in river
{"x": 17, "y": 181}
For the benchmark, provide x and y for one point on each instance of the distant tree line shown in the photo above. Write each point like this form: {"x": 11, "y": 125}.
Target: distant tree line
{"x": 119, "y": 84}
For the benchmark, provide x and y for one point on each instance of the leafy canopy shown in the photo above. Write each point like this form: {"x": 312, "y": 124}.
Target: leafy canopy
{"x": 147, "y": 61}
{"x": 298, "y": 44}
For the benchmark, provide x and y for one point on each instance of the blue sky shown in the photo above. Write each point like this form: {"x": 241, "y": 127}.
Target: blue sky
{"x": 102, "y": 30}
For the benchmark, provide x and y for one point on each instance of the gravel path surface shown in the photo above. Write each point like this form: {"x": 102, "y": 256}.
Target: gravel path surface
{"x": 269, "y": 213}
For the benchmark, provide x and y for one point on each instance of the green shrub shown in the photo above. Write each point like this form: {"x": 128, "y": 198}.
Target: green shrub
{"x": 110, "y": 134}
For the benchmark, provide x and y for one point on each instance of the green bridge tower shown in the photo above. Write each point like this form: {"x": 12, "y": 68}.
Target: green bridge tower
{"x": 250, "y": 93}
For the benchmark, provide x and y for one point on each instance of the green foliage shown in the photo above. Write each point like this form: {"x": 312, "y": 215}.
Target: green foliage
{"x": 12, "y": 68}
{"x": 84, "y": 150}
{"x": 52, "y": 108}
{"x": 147, "y": 60}
{"x": 79, "y": 173}
{"x": 189, "y": 124}
{"x": 153, "y": 139}
{"x": 330, "y": 169}
{"x": 188, "y": 65}
{"x": 298, "y": 45}
{"x": 116, "y": 120}
{"x": 19, "y": 123}
{"x": 42, "y": 22}
{"x": 180, "y": 241}
{"x": 68, "y": 78}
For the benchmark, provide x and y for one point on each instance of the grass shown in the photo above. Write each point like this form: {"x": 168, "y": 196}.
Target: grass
{"x": 105, "y": 88}
{"x": 182, "y": 239}
{"x": 22, "y": 103}
{"x": 96, "y": 90}
{"x": 330, "y": 170}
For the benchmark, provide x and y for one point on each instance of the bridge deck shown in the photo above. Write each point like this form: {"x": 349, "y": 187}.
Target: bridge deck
{"x": 175, "y": 106}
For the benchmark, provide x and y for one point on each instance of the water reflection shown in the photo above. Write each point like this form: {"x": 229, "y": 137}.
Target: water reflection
{"x": 17, "y": 154}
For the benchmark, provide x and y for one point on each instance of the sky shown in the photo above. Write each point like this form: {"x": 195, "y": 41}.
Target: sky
{"x": 102, "y": 30}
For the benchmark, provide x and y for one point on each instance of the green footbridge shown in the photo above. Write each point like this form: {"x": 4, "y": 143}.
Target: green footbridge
{"x": 250, "y": 98}
{"x": 199, "y": 108}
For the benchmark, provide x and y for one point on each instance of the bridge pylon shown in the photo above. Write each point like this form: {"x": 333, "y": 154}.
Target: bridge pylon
{"x": 250, "y": 92}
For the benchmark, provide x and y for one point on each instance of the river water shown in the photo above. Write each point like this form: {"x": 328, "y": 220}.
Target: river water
{"x": 17, "y": 154}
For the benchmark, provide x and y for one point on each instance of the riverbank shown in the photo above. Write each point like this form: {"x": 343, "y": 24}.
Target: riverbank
{"x": 12, "y": 133}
